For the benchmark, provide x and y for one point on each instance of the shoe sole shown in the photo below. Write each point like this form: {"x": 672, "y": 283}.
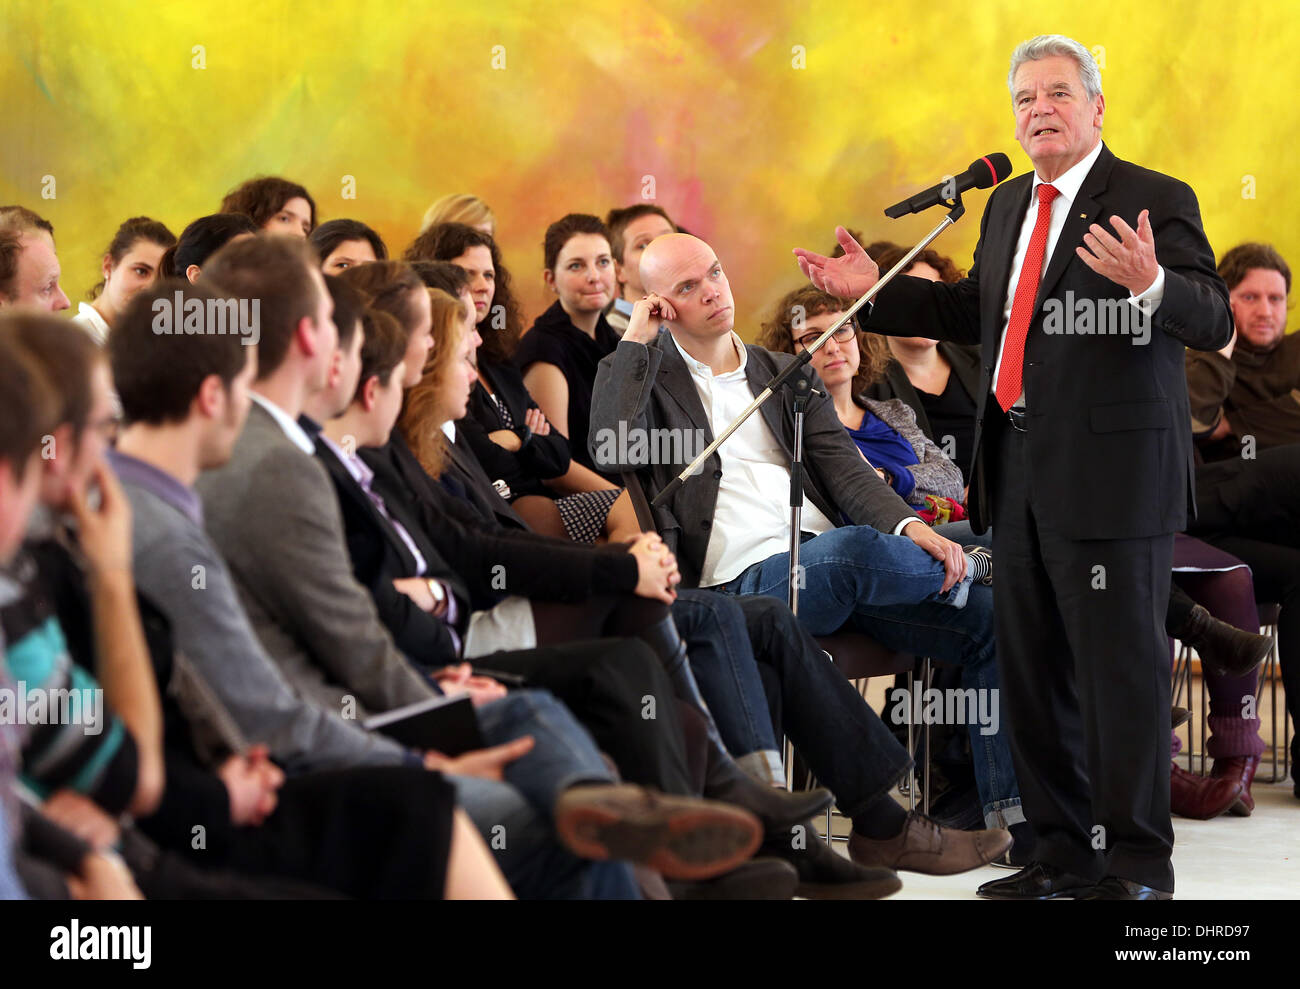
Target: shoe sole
{"x": 690, "y": 842}
{"x": 1064, "y": 894}
{"x": 869, "y": 889}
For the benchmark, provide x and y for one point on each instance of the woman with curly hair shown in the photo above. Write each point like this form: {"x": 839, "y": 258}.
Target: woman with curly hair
{"x": 885, "y": 432}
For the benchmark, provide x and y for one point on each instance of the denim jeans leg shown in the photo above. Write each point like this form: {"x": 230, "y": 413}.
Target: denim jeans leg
{"x": 961, "y": 636}
{"x": 713, "y": 627}
{"x": 846, "y": 567}
{"x": 842, "y": 739}
{"x": 564, "y": 754}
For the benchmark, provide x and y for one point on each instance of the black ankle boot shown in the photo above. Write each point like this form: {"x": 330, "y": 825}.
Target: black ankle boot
{"x": 1224, "y": 649}
{"x": 777, "y": 809}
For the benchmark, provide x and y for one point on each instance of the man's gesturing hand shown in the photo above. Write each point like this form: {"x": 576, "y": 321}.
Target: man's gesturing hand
{"x": 848, "y": 276}
{"x": 944, "y": 550}
{"x": 1129, "y": 261}
{"x": 486, "y": 764}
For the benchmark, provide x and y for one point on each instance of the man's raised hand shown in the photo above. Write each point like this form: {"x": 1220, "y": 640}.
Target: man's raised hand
{"x": 847, "y": 277}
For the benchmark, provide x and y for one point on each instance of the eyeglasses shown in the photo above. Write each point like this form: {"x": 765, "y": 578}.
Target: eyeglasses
{"x": 843, "y": 335}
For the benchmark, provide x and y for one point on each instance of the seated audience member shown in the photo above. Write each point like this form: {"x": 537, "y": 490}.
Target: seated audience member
{"x": 343, "y": 244}
{"x": 528, "y": 461}
{"x": 885, "y": 433}
{"x": 463, "y": 208}
{"x": 200, "y": 240}
{"x": 886, "y": 573}
{"x": 186, "y": 399}
{"x": 27, "y": 414}
{"x": 272, "y": 512}
{"x": 131, "y": 262}
{"x": 1248, "y": 393}
{"x": 630, "y": 230}
{"x": 937, "y": 379}
{"x": 29, "y": 265}
{"x": 559, "y": 354}
{"x": 275, "y": 205}
{"x": 725, "y": 637}
{"x": 76, "y": 628}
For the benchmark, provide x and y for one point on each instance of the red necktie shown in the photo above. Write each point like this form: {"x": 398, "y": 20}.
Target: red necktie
{"x": 1022, "y": 304}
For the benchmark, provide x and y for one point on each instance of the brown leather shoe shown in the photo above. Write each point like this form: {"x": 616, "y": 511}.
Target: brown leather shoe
{"x": 926, "y": 846}
{"x": 678, "y": 837}
{"x": 1201, "y": 797}
{"x": 1242, "y": 768}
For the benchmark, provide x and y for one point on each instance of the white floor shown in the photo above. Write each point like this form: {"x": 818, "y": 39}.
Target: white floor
{"x": 1229, "y": 858}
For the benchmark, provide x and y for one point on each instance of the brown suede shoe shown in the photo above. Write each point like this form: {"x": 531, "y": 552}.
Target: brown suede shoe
{"x": 926, "y": 846}
{"x": 1201, "y": 798}
{"x": 678, "y": 837}
{"x": 1240, "y": 768}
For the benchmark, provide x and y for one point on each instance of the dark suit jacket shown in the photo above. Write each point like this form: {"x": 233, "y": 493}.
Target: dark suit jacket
{"x": 463, "y": 465}
{"x": 379, "y": 557}
{"x": 494, "y": 562}
{"x": 641, "y": 387}
{"x": 1108, "y": 443}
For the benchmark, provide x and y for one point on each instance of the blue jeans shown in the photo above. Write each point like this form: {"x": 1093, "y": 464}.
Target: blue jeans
{"x": 515, "y": 816}
{"x": 717, "y": 642}
{"x": 859, "y": 577}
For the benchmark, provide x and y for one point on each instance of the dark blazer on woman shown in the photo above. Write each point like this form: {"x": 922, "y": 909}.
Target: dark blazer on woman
{"x": 540, "y": 459}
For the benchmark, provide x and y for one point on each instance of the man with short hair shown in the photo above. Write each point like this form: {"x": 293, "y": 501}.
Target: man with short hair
{"x": 630, "y": 230}
{"x": 1249, "y": 392}
{"x": 1083, "y": 566}
{"x": 29, "y": 266}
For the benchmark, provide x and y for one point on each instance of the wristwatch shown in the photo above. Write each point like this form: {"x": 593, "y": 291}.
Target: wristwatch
{"x": 439, "y": 594}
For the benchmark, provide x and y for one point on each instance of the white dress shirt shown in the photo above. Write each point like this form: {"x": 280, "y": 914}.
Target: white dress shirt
{"x": 751, "y": 520}
{"x": 89, "y": 319}
{"x": 1067, "y": 185}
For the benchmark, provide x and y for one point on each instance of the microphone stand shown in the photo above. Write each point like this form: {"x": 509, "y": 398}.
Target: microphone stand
{"x": 792, "y": 377}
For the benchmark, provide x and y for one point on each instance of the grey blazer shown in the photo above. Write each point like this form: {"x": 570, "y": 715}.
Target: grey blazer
{"x": 274, "y": 516}
{"x": 640, "y": 387}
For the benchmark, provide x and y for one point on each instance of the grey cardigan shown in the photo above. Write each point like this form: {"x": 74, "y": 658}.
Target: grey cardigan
{"x": 648, "y": 387}
{"x": 933, "y": 472}
{"x": 273, "y": 513}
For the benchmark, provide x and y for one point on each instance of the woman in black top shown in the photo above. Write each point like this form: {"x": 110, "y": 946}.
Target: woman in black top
{"x": 559, "y": 355}
{"x": 938, "y": 380}
{"x": 509, "y": 434}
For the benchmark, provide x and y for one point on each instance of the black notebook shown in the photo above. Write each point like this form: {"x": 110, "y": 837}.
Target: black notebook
{"x": 443, "y": 724}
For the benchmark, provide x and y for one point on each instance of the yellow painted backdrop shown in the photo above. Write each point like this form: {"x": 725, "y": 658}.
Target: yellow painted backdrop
{"x": 745, "y": 148}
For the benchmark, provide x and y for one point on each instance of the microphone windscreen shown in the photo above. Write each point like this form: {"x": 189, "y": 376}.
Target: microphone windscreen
{"x": 990, "y": 170}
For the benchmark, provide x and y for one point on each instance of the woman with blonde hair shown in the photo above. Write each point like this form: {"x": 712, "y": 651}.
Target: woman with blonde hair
{"x": 461, "y": 207}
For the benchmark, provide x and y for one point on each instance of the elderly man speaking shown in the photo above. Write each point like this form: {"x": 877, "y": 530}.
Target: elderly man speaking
{"x": 1083, "y": 465}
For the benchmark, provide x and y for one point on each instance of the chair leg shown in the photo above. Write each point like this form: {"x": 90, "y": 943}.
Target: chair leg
{"x": 911, "y": 744}
{"x": 927, "y": 673}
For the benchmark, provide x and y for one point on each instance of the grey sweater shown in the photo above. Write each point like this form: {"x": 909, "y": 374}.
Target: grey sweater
{"x": 212, "y": 630}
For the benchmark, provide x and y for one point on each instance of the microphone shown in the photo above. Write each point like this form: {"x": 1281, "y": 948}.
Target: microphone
{"x": 983, "y": 174}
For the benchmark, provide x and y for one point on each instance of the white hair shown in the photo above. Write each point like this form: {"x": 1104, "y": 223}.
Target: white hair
{"x": 1047, "y": 45}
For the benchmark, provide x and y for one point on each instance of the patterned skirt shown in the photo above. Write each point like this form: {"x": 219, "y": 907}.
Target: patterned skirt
{"x": 584, "y": 514}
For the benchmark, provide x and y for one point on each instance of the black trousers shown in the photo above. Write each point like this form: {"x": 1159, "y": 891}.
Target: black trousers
{"x": 618, "y": 690}
{"x": 1251, "y": 509}
{"x": 1085, "y": 678}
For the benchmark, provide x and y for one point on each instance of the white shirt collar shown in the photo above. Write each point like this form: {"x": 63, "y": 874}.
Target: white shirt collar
{"x": 1071, "y": 180}
{"x": 92, "y": 322}
{"x": 449, "y": 430}
{"x": 701, "y": 369}
{"x": 296, "y": 434}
